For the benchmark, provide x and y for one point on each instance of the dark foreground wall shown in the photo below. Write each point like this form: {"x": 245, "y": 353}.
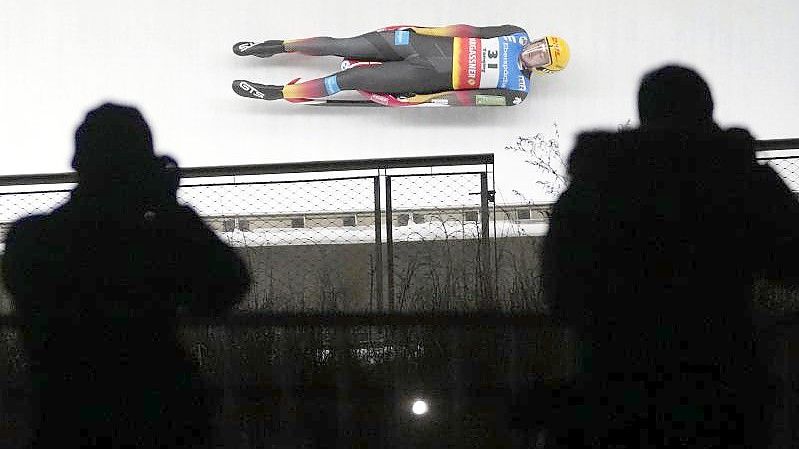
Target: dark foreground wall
{"x": 307, "y": 384}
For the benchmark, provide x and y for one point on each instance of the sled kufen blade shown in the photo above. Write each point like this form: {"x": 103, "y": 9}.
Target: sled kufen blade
{"x": 344, "y": 103}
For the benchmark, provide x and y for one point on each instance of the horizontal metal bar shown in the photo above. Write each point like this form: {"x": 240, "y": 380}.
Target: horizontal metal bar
{"x": 291, "y": 214}
{"x": 776, "y": 144}
{"x": 345, "y": 165}
{"x": 444, "y": 209}
{"x": 777, "y": 158}
{"x": 34, "y": 192}
{"x": 54, "y": 178}
{"x": 288, "y": 167}
{"x": 419, "y": 175}
{"x": 212, "y": 184}
{"x": 287, "y": 181}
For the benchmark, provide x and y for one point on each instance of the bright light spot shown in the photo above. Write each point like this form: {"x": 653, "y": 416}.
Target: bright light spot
{"x": 419, "y": 407}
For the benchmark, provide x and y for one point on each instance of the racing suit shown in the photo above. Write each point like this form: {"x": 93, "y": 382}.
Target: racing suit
{"x": 458, "y": 64}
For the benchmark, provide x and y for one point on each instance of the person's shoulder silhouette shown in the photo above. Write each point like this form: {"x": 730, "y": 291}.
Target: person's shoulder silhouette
{"x": 98, "y": 284}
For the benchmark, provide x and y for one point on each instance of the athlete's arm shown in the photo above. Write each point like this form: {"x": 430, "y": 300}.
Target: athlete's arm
{"x": 462, "y": 30}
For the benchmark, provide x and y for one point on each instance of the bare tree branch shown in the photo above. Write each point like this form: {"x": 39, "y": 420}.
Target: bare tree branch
{"x": 544, "y": 154}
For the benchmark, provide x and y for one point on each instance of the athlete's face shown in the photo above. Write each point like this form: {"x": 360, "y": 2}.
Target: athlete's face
{"x": 536, "y": 54}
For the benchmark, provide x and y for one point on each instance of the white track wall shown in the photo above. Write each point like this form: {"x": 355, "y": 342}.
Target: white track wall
{"x": 173, "y": 59}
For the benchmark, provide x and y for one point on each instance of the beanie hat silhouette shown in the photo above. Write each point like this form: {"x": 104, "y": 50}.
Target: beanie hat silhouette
{"x": 674, "y": 96}
{"x": 113, "y": 139}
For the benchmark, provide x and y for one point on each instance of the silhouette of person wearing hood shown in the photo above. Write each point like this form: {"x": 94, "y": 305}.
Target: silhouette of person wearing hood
{"x": 651, "y": 256}
{"x": 97, "y": 285}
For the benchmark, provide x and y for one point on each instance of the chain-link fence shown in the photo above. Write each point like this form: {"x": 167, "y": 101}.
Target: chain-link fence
{"x": 783, "y": 156}
{"x": 310, "y": 244}
{"x": 787, "y": 167}
{"x": 321, "y": 237}
{"x": 440, "y": 257}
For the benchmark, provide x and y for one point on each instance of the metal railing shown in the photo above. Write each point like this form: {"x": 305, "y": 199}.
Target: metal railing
{"x": 329, "y": 235}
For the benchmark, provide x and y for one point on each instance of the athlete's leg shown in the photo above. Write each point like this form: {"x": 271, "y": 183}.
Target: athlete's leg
{"x": 382, "y": 46}
{"x": 394, "y": 77}
{"x": 372, "y": 46}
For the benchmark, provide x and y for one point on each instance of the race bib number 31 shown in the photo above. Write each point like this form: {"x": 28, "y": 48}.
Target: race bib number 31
{"x": 476, "y": 63}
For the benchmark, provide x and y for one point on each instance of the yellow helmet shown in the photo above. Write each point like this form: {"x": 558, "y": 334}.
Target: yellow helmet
{"x": 548, "y": 54}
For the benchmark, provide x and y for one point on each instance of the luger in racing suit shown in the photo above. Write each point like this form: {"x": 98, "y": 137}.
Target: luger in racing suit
{"x": 454, "y": 65}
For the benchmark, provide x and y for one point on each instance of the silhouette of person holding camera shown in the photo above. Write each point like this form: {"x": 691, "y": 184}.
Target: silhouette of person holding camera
{"x": 98, "y": 284}
{"x": 652, "y": 253}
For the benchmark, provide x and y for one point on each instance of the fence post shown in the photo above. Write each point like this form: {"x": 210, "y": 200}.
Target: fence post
{"x": 389, "y": 245}
{"x": 486, "y": 280}
{"x": 378, "y": 247}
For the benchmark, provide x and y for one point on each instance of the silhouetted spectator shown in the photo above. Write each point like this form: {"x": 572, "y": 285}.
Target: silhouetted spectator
{"x": 651, "y": 256}
{"x": 98, "y": 284}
